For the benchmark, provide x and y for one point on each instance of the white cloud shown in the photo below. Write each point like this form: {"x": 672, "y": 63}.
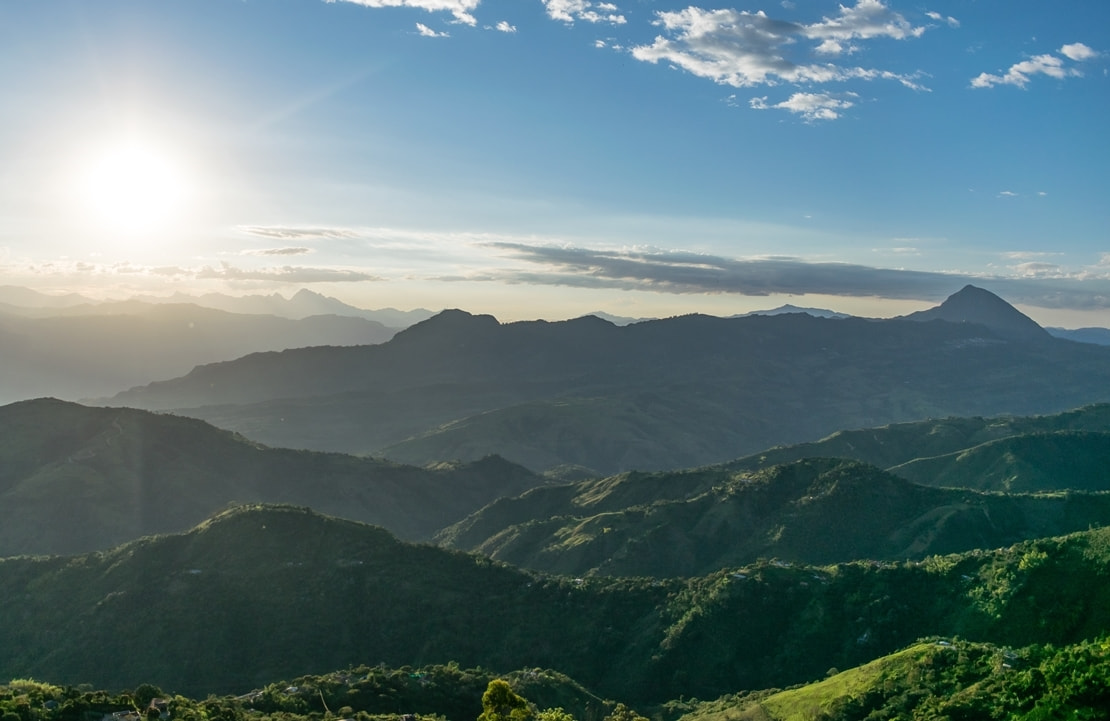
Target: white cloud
{"x": 1050, "y": 65}
{"x": 570, "y": 10}
{"x": 460, "y": 9}
{"x": 427, "y": 32}
{"x": 1078, "y": 52}
{"x": 868, "y": 19}
{"x": 1007, "y": 194}
{"x": 747, "y": 49}
{"x": 811, "y": 106}
{"x": 952, "y": 22}
{"x": 505, "y": 27}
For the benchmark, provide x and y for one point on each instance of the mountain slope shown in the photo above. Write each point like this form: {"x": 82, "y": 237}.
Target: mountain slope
{"x": 463, "y": 386}
{"x": 1029, "y": 462}
{"x": 265, "y": 593}
{"x": 74, "y": 478}
{"x": 979, "y": 306}
{"x": 901, "y": 444}
{"x": 814, "y": 511}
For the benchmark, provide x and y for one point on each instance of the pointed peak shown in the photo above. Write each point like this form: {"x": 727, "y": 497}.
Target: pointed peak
{"x": 972, "y": 304}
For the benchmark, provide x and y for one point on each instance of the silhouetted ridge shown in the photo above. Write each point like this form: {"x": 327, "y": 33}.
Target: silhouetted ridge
{"x": 975, "y": 305}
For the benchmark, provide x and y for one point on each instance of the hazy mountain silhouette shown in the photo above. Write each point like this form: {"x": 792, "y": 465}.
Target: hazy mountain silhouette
{"x": 976, "y": 305}
{"x": 90, "y": 350}
{"x": 1098, "y": 336}
{"x": 670, "y": 393}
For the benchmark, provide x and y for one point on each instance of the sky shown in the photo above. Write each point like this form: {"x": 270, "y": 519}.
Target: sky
{"x": 551, "y": 158}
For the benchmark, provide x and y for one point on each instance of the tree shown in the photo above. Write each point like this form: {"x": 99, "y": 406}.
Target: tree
{"x": 501, "y": 703}
{"x": 623, "y": 713}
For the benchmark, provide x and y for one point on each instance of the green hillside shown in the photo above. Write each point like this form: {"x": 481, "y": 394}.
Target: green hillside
{"x": 1078, "y": 460}
{"x": 74, "y": 478}
{"x": 264, "y": 593}
{"x": 901, "y": 445}
{"x": 815, "y": 511}
{"x": 943, "y": 679}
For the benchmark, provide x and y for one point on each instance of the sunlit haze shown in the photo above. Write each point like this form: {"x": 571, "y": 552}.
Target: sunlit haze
{"x": 544, "y": 158}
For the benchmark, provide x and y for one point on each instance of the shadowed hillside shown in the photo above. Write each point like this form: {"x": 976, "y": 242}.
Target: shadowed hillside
{"x": 74, "y": 478}
{"x": 670, "y": 393}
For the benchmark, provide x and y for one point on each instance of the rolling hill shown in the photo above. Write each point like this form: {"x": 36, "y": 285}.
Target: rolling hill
{"x": 74, "y": 478}
{"x": 816, "y": 511}
{"x": 654, "y": 395}
{"x": 275, "y": 592}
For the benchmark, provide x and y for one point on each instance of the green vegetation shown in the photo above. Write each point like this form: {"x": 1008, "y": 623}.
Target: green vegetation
{"x": 944, "y": 679}
{"x": 76, "y": 479}
{"x": 262, "y": 593}
{"x": 931, "y": 679}
{"x": 815, "y": 511}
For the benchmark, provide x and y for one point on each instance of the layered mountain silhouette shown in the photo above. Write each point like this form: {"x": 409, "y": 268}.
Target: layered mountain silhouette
{"x": 76, "y": 479}
{"x": 668, "y": 393}
{"x": 86, "y": 350}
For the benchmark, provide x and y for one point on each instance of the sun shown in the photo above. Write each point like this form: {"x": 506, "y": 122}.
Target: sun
{"x": 132, "y": 186}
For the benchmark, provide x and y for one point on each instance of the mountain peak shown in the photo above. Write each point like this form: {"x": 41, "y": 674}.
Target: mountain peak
{"x": 972, "y": 304}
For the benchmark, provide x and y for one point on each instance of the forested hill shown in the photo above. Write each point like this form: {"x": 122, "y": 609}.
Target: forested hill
{"x": 264, "y": 593}
{"x": 74, "y": 478}
{"x": 811, "y": 511}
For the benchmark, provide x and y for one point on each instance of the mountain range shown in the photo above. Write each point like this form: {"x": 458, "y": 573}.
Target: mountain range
{"x": 83, "y": 351}
{"x": 679, "y": 392}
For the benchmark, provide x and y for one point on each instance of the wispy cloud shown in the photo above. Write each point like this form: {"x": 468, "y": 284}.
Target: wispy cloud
{"x": 569, "y": 11}
{"x": 278, "y": 251}
{"x": 951, "y": 21}
{"x": 427, "y": 32}
{"x": 460, "y": 9}
{"x": 751, "y": 49}
{"x": 811, "y": 106}
{"x": 296, "y": 233}
{"x": 505, "y": 27}
{"x": 1034, "y": 283}
{"x": 1054, "y": 66}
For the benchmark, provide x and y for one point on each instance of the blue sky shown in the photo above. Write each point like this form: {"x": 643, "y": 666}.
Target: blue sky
{"x": 548, "y": 158}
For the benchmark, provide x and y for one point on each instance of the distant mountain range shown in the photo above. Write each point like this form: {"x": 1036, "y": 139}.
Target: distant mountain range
{"x": 85, "y": 351}
{"x": 673, "y": 393}
{"x": 302, "y": 304}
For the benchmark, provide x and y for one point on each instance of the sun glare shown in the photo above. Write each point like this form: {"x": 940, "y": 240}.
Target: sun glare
{"x": 132, "y": 187}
